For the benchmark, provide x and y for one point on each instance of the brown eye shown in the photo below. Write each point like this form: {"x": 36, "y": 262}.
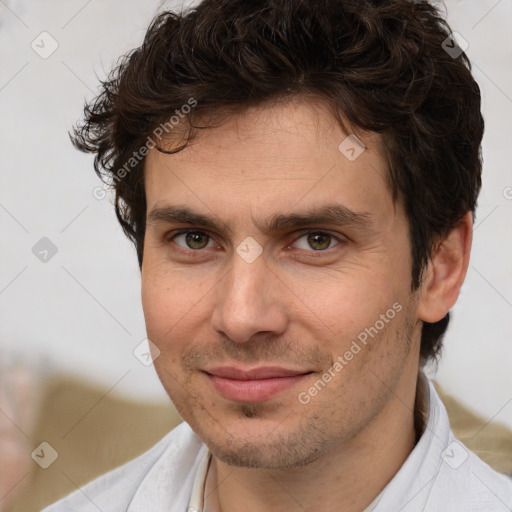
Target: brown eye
{"x": 194, "y": 240}
{"x": 319, "y": 241}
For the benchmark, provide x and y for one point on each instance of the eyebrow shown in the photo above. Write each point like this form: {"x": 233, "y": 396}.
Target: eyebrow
{"x": 335, "y": 214}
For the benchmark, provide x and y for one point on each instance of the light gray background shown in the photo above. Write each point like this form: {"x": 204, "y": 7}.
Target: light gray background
{"x": 81, "y": 311}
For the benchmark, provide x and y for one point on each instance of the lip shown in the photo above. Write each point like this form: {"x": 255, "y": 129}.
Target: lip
{"x": 254, "y": 385}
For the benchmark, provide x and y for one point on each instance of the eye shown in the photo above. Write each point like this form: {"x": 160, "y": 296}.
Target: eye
{"x": 192, "y": 240}
{"x": 317, "y": 240}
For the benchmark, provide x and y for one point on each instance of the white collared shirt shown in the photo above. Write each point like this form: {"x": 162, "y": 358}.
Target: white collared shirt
{"x": 440, "y": 475}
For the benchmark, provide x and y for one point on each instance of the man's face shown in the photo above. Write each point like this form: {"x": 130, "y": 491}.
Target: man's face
{"x": 276, "y": 358}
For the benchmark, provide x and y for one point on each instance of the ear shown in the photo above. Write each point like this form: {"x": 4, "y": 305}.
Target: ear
{"x": 446, "y": 272}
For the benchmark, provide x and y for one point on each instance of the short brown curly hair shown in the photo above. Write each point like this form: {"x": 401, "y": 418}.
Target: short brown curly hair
{"x": 379, "y": 64}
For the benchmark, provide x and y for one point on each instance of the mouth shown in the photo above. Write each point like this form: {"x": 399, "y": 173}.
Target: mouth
{"x": 254, "y": 385}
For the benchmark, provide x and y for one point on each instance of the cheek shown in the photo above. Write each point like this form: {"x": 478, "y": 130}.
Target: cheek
{"x": 152, "y": 305}
{"x": 161, "y": 286}
{"x": 173, "y": 310}
{"x": 349, "y": 303}
{"x": 159, "y": 303}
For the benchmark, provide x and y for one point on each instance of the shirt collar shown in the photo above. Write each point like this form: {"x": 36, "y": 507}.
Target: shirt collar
{"x": 410, "y": 488}
{"x": 197, "y": 497}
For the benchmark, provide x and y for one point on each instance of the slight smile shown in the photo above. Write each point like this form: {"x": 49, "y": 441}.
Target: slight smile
{"x": 255, "y": 385}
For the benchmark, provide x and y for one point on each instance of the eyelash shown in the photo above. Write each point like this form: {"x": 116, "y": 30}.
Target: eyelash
{"x": 174, "y": 234}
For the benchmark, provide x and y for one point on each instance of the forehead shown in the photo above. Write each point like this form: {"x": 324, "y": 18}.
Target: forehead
{"x": 305, "y": 125}
{"x": 279, "y": 154}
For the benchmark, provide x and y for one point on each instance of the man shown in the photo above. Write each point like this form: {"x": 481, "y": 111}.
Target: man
{"x": 299, "y": 179}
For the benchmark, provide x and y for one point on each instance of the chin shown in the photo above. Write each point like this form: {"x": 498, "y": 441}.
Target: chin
{"x": 251, "y": 441}
{"x": 274, "y": 456}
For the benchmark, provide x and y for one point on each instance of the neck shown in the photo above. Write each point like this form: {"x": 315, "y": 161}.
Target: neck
{"x": 350, "y": 476}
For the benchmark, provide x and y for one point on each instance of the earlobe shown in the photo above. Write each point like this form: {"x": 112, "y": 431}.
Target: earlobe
{"x": 446, "y": 272}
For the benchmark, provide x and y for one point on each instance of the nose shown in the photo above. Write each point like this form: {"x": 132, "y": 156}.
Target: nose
{"x": 250, "y": 300}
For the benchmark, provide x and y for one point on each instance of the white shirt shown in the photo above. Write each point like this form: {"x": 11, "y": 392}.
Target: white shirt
{"x": 440, "y": 475}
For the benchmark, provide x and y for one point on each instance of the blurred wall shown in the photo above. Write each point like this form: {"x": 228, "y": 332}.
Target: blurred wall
{"x": 69, "y": 280}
